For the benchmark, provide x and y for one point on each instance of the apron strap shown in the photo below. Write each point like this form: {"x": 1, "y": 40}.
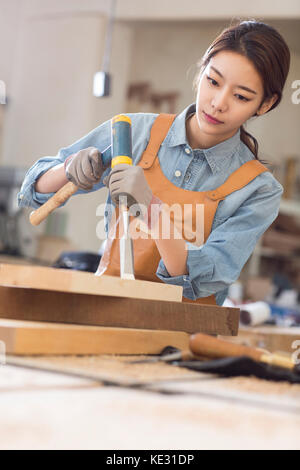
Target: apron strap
{"x": 238, "y": 179}
{"x": 158, "y": 133}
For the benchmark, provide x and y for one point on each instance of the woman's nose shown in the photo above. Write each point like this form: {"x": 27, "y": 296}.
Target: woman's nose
{"x": 220, "y": 101}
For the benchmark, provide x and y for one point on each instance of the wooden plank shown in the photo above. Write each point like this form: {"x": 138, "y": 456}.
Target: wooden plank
{"x": 272, "y": 338}
{"x": 61, "y": 307}
{"x": 25, "y": 337}
{"x": 79, "y": 282}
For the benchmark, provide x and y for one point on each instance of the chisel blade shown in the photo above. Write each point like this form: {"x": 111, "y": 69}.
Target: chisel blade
{"x": 126, "y": 245}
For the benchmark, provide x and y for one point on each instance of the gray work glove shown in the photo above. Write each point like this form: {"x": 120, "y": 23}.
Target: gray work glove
{"x": 85, "y": 167}
{"x": 130, "y": 181}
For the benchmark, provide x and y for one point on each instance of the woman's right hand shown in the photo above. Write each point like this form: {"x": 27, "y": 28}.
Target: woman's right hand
{"x": 84, "y": 168}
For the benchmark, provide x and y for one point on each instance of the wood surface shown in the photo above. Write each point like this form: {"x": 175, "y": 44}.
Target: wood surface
{"x": 67, "y": 280}
{"x": 31, "y": 338}
{"x": 272, "y": 338}
{"x": 182, "y": 410}
{"x": 61, "y": 307}
{"x": 105, "y": 369}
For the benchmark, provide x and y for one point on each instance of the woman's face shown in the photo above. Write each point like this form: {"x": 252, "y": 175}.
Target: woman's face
{"x": 223, "y": 95}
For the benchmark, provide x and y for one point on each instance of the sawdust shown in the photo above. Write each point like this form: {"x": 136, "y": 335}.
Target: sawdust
{"x": 117, "y": 367}
{"x": 212, "y": 412}
{"x": 255, "y": 385}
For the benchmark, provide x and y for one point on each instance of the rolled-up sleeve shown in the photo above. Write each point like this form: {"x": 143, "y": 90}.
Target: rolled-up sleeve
{"x": 29, "y": 197}
{"x": 218, "y": 263}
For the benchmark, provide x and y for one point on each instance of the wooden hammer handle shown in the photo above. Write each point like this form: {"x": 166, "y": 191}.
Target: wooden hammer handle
{"x": 62, "y": 195}
{"x": 208, "y": 346}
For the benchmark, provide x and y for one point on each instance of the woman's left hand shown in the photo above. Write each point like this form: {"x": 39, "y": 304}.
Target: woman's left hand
{"x": 130, "y": 181}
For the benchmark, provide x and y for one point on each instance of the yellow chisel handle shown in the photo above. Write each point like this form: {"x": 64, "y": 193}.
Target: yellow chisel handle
{"x": 121, "y": 140}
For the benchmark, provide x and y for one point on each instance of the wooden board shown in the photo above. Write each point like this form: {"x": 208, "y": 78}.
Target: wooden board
{"x": 67, "y": 280}
{"x": 32, "y": 338}
{"x": 61, "y": 307}
{"x": 272, "y": 338}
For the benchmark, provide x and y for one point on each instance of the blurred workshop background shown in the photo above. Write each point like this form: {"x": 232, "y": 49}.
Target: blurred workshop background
{"x": 50, "y": 53}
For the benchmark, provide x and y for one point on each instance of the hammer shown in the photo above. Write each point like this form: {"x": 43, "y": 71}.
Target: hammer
{"x": 62, "y": 195}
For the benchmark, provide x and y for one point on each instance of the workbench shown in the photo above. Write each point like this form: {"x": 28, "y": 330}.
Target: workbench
{"x": 172, "y": 408}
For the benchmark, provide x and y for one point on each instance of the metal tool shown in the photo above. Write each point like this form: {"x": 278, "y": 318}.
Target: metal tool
{"x": 205, "y": 346}
{"x": 122, "y": 153}
{"x": 174, "y": 356}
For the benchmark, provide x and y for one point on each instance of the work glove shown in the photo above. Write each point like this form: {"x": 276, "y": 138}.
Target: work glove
{"x": 85, "y": 167}
{"x": 143, "y": 205}
{"x": 130, "y": 181}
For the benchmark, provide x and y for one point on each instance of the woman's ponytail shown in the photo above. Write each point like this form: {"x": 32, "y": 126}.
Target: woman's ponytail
{"x": 250, "y": 141}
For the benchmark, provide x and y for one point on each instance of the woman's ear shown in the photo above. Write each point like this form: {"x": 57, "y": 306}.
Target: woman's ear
{"x": 266, "y": 105}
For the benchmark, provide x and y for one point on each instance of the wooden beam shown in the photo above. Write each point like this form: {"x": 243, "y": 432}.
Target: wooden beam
{"x": 61, "y": 307}
{"x": 35, "y": 338}
{"x": 67, "y": 280}
{"x": 272, "y": 338}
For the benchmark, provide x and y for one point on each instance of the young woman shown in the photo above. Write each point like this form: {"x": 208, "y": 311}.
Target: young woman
{"x": 201, "y": 157}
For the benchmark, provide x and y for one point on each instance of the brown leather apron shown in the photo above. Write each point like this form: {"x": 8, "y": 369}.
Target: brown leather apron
{"x": 146, "y": 254}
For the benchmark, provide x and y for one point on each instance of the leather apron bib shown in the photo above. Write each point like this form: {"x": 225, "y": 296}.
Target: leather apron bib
{"x": 146, "y": 254}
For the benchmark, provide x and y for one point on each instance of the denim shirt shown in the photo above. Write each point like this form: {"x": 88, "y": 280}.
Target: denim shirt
{"x": 241, "y": 218}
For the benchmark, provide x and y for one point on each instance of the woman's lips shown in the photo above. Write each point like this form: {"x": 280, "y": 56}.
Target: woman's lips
{"x": 211, "y": 119}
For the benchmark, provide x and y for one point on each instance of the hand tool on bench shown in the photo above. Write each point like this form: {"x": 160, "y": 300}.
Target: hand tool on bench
{"x": 62, "y": 195}
{"x": 205, "y": 346}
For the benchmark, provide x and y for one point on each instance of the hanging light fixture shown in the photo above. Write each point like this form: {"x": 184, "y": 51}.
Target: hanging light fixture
{"x": 3, "y": 98}
{"x": 102, "y": 79}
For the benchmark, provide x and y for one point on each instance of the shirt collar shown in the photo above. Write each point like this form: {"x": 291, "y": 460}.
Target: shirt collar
{"x": 216, "y": 156}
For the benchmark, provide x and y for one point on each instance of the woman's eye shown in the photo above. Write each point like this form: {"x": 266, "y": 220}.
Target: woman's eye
{"x": 242, "y": 98}
{"x": 212, "y": 80}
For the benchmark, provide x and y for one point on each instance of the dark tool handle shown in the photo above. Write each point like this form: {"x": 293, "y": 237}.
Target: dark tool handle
{"x": 121, "y": 140}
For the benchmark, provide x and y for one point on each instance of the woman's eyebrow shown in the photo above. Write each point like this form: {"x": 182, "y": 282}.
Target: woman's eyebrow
{"x": 238, "y": 86}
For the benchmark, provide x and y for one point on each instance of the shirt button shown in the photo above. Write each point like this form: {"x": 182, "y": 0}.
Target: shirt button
{"x": 177, "y": 173}
{"x": 187, "y": 150}
{"x": 21, "y": 196}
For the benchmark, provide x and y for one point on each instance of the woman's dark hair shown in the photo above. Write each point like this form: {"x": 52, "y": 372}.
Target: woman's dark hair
{"x": 268, "y": 52}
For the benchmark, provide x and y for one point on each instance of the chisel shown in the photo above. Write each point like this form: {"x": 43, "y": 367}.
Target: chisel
{"x": 121, "y": 142}
{"x": 205, "y": 346}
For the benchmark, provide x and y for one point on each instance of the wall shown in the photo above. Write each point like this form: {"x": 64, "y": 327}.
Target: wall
{"x": 159, "y": 10}
{"x": 9, "y": 27}
{"x": 278, "y": 131}
{"x": 51, "y": 97}
{"x": 180, "y": 46}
